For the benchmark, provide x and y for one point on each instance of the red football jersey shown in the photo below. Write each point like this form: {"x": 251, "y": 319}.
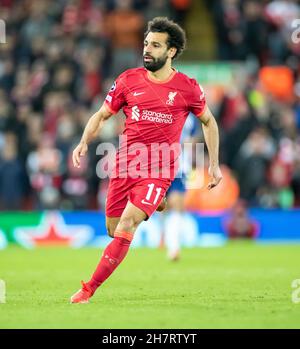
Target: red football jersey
{"x": 155, "y": 114}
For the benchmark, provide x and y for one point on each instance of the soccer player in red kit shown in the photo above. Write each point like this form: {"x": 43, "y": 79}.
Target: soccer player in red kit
{"x": 156, "y": 100}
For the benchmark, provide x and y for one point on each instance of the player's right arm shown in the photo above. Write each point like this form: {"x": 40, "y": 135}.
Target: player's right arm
{"x": 91, "y": 131}
{"x": 114, "y": 101}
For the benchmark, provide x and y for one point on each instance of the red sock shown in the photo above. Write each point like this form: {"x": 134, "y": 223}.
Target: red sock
{"x": 112, "y": 256}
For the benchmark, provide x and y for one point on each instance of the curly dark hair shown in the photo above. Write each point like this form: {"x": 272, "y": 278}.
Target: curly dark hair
{"x": 176, "y": 35}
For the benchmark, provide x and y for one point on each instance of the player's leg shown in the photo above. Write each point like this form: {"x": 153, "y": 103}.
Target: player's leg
{"x": 115, "y": 203}
{"x": 117, "y": 249}
{"x": 131, "y": 217}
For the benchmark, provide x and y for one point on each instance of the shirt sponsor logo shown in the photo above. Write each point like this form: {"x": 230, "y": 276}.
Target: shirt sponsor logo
{"x": 171, "y": 97}
{"x": 152, "y": 116}
{"x": 135, "y": 113}
{"x": 157, "y": 117}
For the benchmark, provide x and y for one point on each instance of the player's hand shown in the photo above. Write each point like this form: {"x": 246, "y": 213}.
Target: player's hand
{"x": 78, "y": 152}
{"x": 215, "y": 176}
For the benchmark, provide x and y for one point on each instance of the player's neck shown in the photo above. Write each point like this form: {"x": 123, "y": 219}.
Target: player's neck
{"x": 162, "y": 74}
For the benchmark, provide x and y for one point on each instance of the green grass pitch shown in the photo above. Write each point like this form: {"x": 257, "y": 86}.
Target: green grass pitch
{"x": 241, "y": 285}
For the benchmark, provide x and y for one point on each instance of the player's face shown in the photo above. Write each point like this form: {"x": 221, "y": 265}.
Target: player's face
{"x": 156, "y": 52}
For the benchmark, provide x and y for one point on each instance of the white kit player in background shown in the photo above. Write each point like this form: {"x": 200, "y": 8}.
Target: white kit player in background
{"x": 179, "y": 226}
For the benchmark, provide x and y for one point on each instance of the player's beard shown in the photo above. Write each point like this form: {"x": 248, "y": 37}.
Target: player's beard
{"x": 156, "y": 63}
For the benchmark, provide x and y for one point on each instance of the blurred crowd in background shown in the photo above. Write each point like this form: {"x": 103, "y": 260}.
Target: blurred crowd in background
{"x": 61, "y": 57}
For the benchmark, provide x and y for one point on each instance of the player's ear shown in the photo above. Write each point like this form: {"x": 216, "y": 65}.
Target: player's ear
{"x": 172, "y": 52}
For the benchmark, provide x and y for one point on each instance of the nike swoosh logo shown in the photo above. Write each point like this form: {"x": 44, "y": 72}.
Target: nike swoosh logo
{"x": 138, "y": 93}
{"x": 146, "y": 203}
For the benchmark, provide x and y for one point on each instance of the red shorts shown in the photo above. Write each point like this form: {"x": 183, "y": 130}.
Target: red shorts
{"x": 145, "y": 193}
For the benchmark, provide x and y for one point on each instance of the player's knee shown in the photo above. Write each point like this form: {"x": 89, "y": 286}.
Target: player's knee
{"x": 127, "y": 224}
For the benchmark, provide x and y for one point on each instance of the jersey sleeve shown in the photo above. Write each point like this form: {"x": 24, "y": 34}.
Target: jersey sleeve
{"x": 115, "y": 99}
{"x": 197, "y": 101}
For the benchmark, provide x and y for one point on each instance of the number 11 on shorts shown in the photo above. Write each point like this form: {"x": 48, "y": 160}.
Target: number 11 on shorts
{"x": 150, "y": 191}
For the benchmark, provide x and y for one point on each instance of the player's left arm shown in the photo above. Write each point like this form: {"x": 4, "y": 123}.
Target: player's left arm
{"x": 211, "y": 136}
